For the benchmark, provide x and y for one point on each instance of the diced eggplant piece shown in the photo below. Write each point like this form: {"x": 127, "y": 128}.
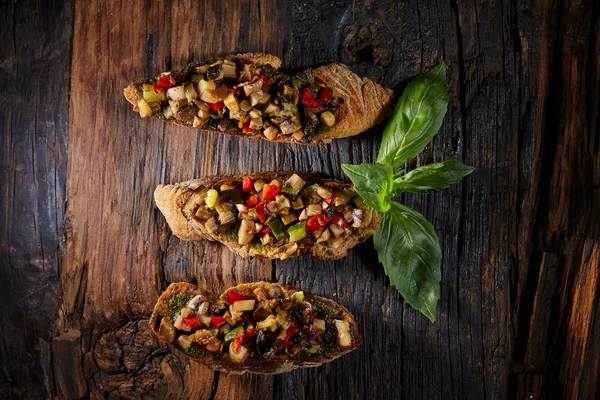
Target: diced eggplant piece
{"x": 203, "y": 308}
{"x": 303, "y": 215}
{"x": 232, "y": 195}
{"x": 258, "y": 185}
{"x": 231, "y": 102}
{"x": 226, "y": 214}
{"x": 187, "y": 113}
{"x": 253, "y": 87}
{"x": 270, "y": 109}
{"x": 245, "y": 106}
{"x": 176, "y": 93}
{"x": 293, "y": 185}
{"x": 288, "y": 219}
{"x": 229, "y": 70}
{"x": 192, "y": 204}
{"x": 324, "y": 193}
{"x": 336, "y": 230}
{"x": 243, "y": 305}
{"x": 256, "y": 123}
{"x": 205, "y": 319}
{"x": 211, "y": 225}
{"x": 362, "y": 218}
{"x": 287, "y": 127}
{"x": 297, "y": 203}
{"x": 291, "y": 93}
{"x": 254, "y": 113}
{"x": 240, "y": 116}
{"x": 226, "y": 125}
{"x": 222, "y": 92}
{"x": 166, "y": 330}
{"x": 246, "y": 232}
{"x": 197, "y": 123}
{"x": 298, "y": 135}
{"x": 271, "y": 132}
{"x": 215, "y": 72}
{"x": 195, "y": 302}
{"x": 313, "y": 209}
{"x": 167, "y": 112}
{"x": 184, "y": 341}
{"x": 255, "y": 98}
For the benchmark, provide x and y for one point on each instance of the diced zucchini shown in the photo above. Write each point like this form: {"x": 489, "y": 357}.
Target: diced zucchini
{"x": 314, "y": 349}
{"x": 270, "y": 321}
{"x": 144, "y": 108}
{"x": 327, "y": 118}
{"x": 297, "y": 231}
{"x": 151, "y": 96}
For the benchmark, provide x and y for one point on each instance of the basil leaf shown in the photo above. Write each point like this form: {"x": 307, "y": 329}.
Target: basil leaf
{"x": 409, "y": 250}
{"x": 435, "y": 176}
{"x": 417, "y": 118}
{"x": 373, "y": 182}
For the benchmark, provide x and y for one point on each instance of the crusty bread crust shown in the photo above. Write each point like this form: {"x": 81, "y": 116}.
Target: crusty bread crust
{"x": 170, "y": 199}
{"x": 277, "y": 365}
{"x": 364, "y": 102}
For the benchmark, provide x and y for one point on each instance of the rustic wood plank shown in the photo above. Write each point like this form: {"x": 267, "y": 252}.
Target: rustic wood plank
{"x": 34, "y": 77}
{"x": 119, "y": 254}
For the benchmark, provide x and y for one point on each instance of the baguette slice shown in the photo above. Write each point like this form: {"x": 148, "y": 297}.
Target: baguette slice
{"x": 180, "y": 205}
{"x": 262, "y": 355}
{"x": 357, "y": 104}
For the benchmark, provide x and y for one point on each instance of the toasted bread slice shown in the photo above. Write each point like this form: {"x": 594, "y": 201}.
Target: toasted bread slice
{"x": 342, "y": 224}
{"x": 283, "y": 329}
{"x": 337, "y": 103}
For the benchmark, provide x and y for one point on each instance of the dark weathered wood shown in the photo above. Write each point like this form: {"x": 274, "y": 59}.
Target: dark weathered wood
{"x": 34, "y": 77}
{"x": 521, "y": 241}
{"x": 68, "y": 367}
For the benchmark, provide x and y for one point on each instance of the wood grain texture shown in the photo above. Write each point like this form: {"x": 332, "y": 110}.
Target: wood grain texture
{"x": 35, "y": 68}
{"x": 520, "y": 237}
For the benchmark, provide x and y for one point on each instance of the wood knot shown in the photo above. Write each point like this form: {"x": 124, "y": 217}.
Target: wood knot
{"x": 370, "y": 43}
{"x": 131, "y": 362}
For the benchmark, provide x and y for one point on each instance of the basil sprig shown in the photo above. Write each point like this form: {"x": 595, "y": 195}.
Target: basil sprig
{"x": 406, "y": 242}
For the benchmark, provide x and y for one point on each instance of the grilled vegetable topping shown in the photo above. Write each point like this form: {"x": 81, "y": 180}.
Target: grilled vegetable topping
{"x": 261, "y": 323}
{"x": 234, "y": 96}
{"x": 288, "y": 215}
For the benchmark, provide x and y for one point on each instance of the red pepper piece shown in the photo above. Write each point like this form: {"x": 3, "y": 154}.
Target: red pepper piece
{"x": 270, "y": 191}
{"x": 156, "y": 88}
{"x": 216, "y": 106}
{"x": 307, "y": 98}
{"x": 247, "y": 184}
{"x": 216, "y": 321}
{"x": 233, "y": 296}
{"x": 260, "y": 211}
{"x": 325, "y": 96}
{"x": 252, "y": 201}
{"x": 338, "y": 220}
{"x": 164, "y": 82}
{"x": 237, "y": 343}
{"x": 317, "y": 222}
{"x": 331, "y": 199}
{"x": 291, "y": 331}
{"x": 313, "y": 316}
{"x": 247, "y": 128}
{"x": 192, "y": 322}
{"x": 265, "y": 231}
{"x": 248, "y": 335}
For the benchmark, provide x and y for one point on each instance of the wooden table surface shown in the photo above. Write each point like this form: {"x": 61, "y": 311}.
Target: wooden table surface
{"x": 84, "y": 253}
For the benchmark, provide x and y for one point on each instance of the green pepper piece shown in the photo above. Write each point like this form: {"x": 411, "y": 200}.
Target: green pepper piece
{"x": 232, "y": 334}
{"x": 297, "y": 231}
{"x": 277, "y": 229}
